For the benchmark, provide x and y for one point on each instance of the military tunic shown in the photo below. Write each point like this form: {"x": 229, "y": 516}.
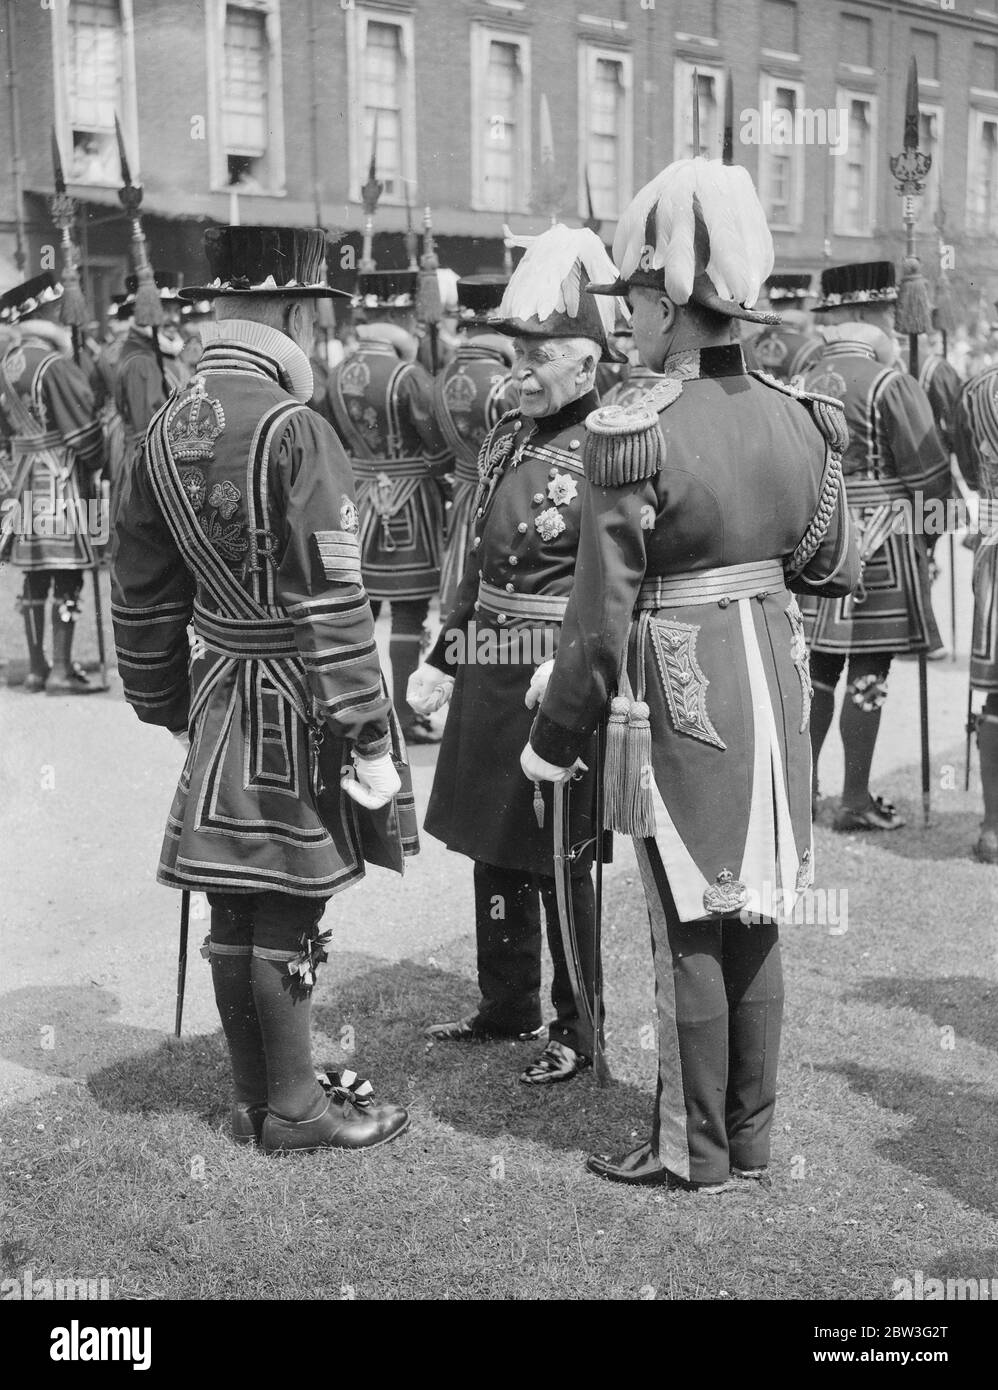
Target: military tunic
{"x": 239, "y": 516}
{"x": 382, "y": 408}
{"x": 526, "y": 531}
{"x": 894, "y": 457}
{"x": 56, "y": 448}
{"x": 470, "y": 395}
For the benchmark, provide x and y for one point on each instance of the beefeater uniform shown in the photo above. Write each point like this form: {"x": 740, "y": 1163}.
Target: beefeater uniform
{"x": 510, "y": 604}
{"x": 975, "y": 423}
{"x": 711, "y": 502}
{"x": 56, "y": 452}
{"x": 139, "y": 388}
{"x": 784, "y": 350}
{"x": 470, "y": 395}
{"x": 239, "y": 519}
{"x": 382, "y": 409}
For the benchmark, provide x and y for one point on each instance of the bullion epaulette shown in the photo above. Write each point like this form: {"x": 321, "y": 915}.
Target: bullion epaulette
{"x": 623, "y": 442}
{"x": 827, "y": 412}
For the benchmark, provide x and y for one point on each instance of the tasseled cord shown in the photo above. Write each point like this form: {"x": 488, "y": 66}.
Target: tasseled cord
{"x": 627, "y": 773}
{"x": 914, "y": 307}
{"x": 148, "y": 313}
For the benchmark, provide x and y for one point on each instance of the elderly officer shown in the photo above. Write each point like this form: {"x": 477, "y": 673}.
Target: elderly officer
{"x": 895, "y": 457}
{"x": 503, "y": 626}
{"x": 239, "y": 515}
{"x": 705, "y": 501}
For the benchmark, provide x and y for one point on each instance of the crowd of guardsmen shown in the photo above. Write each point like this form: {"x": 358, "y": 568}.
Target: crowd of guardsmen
{"x": 413, "y": 421}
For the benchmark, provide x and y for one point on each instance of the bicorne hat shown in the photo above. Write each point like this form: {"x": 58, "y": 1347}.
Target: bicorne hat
{"x": 30, "y": 295}
{"x": 696, "y": 232}
{"x": 865, "y": 282}
{"x": 279, "y": 261}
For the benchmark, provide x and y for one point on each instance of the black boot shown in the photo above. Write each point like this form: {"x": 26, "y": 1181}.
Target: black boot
{"x": 39, "y": 670}
{"x": 67, "y": 677}
{"x": 231, "y": 976}
{"x": 300, "y": 1115}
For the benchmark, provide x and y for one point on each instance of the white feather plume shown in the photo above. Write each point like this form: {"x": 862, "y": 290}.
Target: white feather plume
{"x": 741, "y": 247}
{"x": 550, "y": 277}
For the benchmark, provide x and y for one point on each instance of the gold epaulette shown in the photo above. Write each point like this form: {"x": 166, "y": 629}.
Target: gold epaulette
{"x": 623, "y": 442}
{"x": 827, "y": 412}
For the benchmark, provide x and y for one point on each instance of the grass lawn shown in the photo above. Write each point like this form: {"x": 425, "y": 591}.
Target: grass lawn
{"x": 884, "y": 1142}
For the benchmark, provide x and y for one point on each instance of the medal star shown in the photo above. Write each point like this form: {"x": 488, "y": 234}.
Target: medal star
{"x": 550, "y": 523}
{"x": 563, "y": 489}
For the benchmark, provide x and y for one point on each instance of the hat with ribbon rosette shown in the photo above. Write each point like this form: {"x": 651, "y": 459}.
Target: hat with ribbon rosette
{"x": 278, "y": 261}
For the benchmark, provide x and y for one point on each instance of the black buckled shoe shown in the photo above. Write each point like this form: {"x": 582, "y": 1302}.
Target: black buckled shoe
{"x": 73, "y": 681}
{"x": 339, "y": 1125}
{"x": 246, "y": 1118}
{"x": 556, "y": 1063}
{"x": 986, "y": 849}
{"x": 472, "y": 1029}
{"x": 880, "y": 814}
{"x": 639, "y": 1168}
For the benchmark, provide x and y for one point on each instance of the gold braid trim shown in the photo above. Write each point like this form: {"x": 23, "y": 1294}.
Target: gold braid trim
{"x": 623, "y": 442}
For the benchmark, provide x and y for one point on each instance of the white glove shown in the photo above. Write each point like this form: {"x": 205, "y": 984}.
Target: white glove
{"x": 538, "y": 684}
{"x": 182, "y": 737}
{"x": 537, "y": 770}
{"x": 429, "y": 689}
{"x": 374, "y": 783}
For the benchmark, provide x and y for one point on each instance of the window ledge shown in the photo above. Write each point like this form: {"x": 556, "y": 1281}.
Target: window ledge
{"x": 697, "y": 38}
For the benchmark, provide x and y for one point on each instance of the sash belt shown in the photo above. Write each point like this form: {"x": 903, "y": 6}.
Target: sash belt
{"x": 505, "y": 607}
{"x": 874, "y": 492}
{"x": 727, "y": 582}
{"x": 369, "y": 470}
{"x": 245, "y": 639}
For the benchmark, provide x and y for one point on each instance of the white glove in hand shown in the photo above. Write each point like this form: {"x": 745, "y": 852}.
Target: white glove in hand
{"x": 429, "y": 689}
{"x": 375, "y": 783}
{"x": 537, "y": 769}
{"x": 538, "y": 684}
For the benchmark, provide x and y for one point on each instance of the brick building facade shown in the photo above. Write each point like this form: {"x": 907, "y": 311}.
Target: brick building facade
{"x": 273, "y": 107}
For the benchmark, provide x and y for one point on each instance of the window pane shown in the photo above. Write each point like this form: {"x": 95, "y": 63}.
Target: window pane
{"x": 383, "y": 77}
{"x": 779, "y": 25}
{"x": 929, "y": 143}
{"x": 925, "y": 47}
{"x": 698, "y": 17}
{"x": 781, "y": 162}
{"x": 854, "y": 210}
{"x": 244, "y": 97}
{"x": 603, "y": 153}
{"x": 95, "y": 62}
{"x": 856, "y": 41}
{"x": 503, "y": 85}
{"x": 984, "y": 70}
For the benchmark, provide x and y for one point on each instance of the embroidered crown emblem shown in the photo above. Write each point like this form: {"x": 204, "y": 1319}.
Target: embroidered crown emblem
{"x": 194, "y": 423}
{"x": 459, "y": 393}
{"x": 355, "y": 377}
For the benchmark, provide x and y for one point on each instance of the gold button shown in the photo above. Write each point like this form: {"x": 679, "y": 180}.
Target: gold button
{"x": 478, "y": 541}
{"x": 573, "y": 443}
{"x": 538, "y": 497}
{"x": 478, "y": 607}
{"x": 513, "y": 560}
{"x": 517, "y": 424}
{"x": 501, "y": 618}
{"x": 479, "y": 512}
{"x": 522, "y": 528}
{"x": 509, "y": 588}
{"x": 723, "y": 602}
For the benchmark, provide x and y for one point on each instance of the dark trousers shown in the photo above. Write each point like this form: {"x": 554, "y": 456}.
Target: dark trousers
{"x": 404, "y": 646}
{"x": 271, "y": 921}
{"x": 508, "y": 931}
{"x": 719, "y": 995}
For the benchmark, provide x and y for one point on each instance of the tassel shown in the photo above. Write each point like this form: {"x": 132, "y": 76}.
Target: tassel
{"x": 73, "y": 309}
{"x": 914, "y": 307}
{"x": 148, "y": 311}
{"x": 630, "y": 809}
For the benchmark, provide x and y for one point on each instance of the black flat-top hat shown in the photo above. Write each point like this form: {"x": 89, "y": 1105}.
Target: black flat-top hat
{"x": 30, "y": 295}
{"x": 264, "y": 260}
{"x": 478, "y": 295}
{"x": 168, "y": 282}
{"x": 787, "y": 288}
{"x": 865, "y": 282}
{"x": 386, "y": 289}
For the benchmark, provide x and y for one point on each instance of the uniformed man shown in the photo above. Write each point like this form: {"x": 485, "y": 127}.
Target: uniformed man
{"x": 785, "y": 349}
{"x": 895, "y": 459}
{"x": 504, "y": 625}
{"x": 709, "y": 503}
{"x": 381, "y": 403}
{"x": 976, "y": 441}
{"x": 56, "y": 453}
{"x": 470, "y": 394}
{"x": 145, "y": 377}
{"x": 239, "y": 516}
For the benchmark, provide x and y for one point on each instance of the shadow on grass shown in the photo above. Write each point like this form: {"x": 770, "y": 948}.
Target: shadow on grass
{"x": 951, "y": 1135}
{"x": 66, "y": 1030}
{"x": 965, "y": 1003}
